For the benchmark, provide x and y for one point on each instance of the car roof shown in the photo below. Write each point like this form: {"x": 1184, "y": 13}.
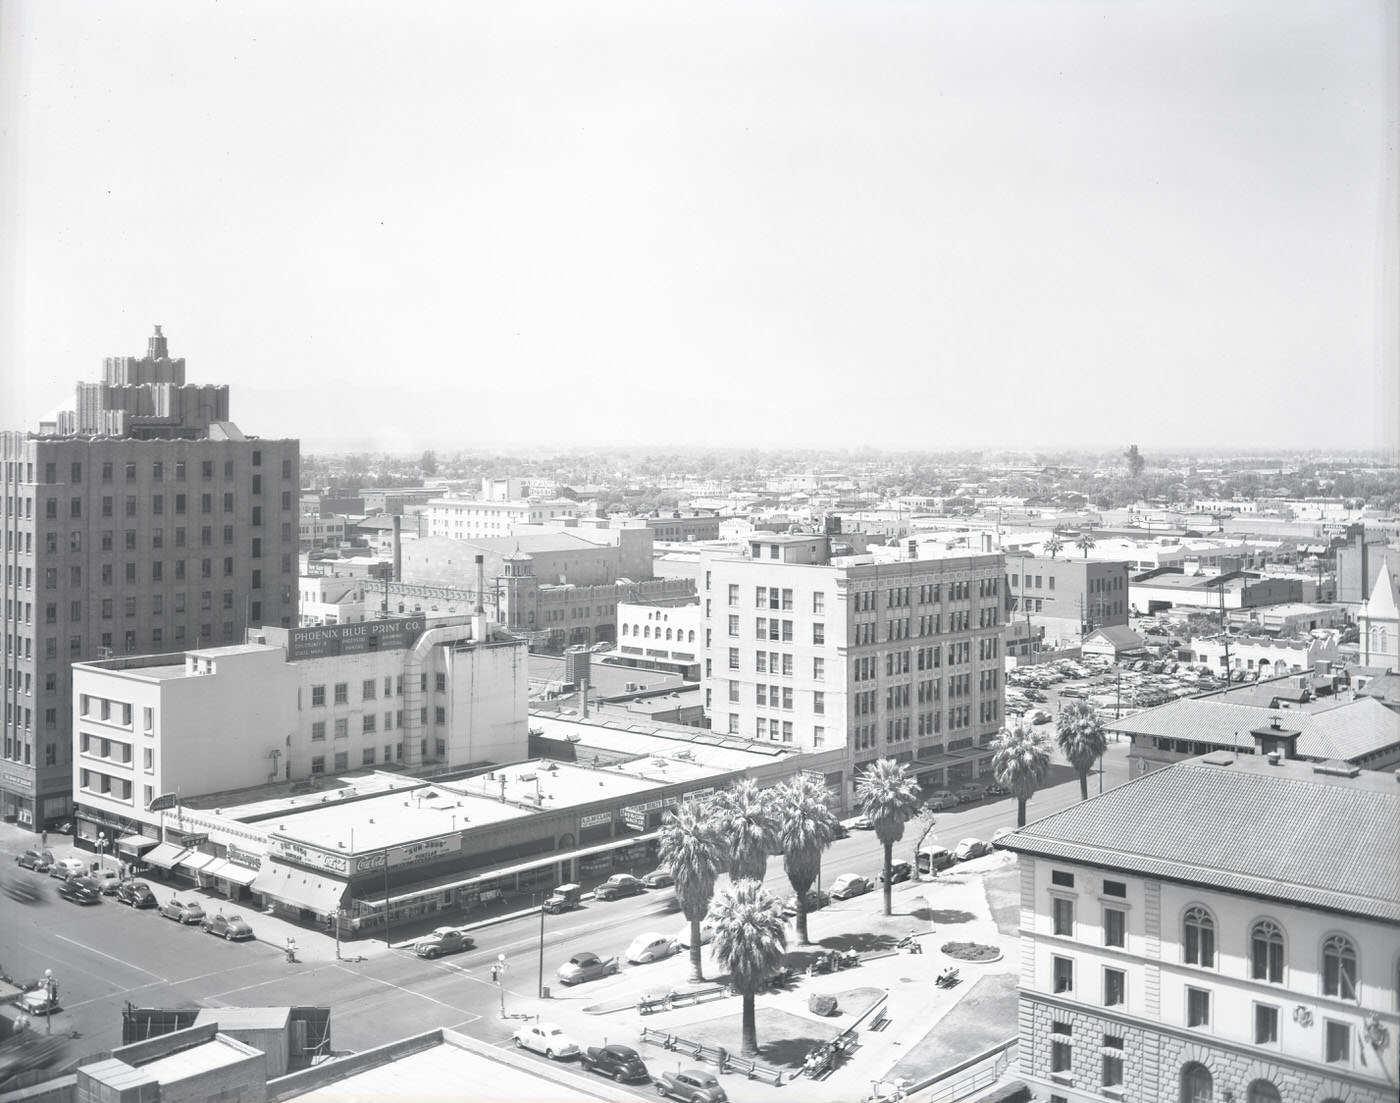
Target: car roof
{"x": 621, "y": 1051}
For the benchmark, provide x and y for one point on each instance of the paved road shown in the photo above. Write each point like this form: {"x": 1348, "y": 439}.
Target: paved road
{"x": 107, "y": 954}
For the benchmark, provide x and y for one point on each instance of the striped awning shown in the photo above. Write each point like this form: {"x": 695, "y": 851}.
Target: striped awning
{"x": 166, "y": 855}
{"x": 196, "y": 860}
{"x": 225, "y": 870}
{"x": 135, "y": 844}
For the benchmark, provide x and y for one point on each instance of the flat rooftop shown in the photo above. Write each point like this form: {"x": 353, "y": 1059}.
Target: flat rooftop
{"x": 715, "y": 752}
{"x": 198, "y": 1060}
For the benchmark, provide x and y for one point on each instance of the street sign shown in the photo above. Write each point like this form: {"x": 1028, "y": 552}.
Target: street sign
{"x": 164, "y": 801}
{"x": 196, "y": 840}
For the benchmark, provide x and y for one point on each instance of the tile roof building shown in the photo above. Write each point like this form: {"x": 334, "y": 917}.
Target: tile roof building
{"x": 1223, "y": 929}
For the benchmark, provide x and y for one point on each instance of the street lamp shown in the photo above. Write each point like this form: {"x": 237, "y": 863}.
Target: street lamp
{"x": 499, "y": 969}
{"x": 102, "y": 850}
{"x": 339, "y": 915}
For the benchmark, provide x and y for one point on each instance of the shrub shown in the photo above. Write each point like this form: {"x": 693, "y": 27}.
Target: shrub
{"x": 821, "y": 1005}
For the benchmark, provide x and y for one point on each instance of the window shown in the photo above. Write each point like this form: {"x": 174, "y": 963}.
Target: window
{"x": 1338, "y": 1042}
{"x": 342, "y": 728}
{"x": 1063, "y": 913}
{"x": 1266, "y": 951}
{"x": 367, "y": 757}
{"x": 1196, "y": 1084}
{"x": 318, "y": 697}
{"x": 318, "y": 731}
{"x": 1062, "y": 974}
{"x": 1339, "y": 967}
{"x": 818, "y": 632}
{"x": 819, "y": 603}
{"x": 733, "y": 624}
{"x": 1197, "y": 1007}
{"x": 818, "y": 670}
{"x": 1265, "y": 1024}
{"x": 733, "y": 658}
{"x": 1112, "y": 1061}
{"x": 318, "y": 764}
{"x": 367, "y": 689}
{"x": 342, "y": 760}
{"x": 1062, "y": 877}
{"x": 342, "y": 693}
{"x": 1115, "y": 987}
{"x": 1115, "y": 888}
{"x": 1114, "y": 926}
{"x": 1061, "y": 1048}
{"x": 733, "y": 593}
{"x": 819, "y": 701}
{"x": 1261, "y": 1091}
{"x": 1198, "y": 937}
{"x": 367, "y": 724}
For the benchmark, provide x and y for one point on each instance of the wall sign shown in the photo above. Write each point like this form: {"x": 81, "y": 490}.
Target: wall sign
{"x": 351, "y": 639}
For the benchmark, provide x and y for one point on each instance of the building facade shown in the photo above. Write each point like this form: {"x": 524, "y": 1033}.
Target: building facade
{"x": 148, "y": 527}
{"x": 1171, "y": 948}
{"x": 1068, "y": 598}
{"x": 661, "y": 636}
{"x": 898, "y": 659}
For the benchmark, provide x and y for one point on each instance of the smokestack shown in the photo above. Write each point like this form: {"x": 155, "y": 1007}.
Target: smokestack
{"x": 480, "y": 583}
{"x": 398, "y": 548}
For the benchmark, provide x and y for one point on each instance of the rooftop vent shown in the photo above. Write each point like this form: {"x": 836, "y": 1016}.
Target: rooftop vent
{"x": 1275, "y": 758}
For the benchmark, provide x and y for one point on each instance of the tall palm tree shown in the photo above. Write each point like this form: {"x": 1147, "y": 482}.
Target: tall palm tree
{"x": 692, "y": 850}
{"x": 806, "y": 827}
{"x": 1085, "y": 542}
{"x": 748, "y": 824}
{"x": 1021, "y": 762}
{"x": 1080, "y": 734}
{"x": 889, "y": 798}
{"x": 1054, "y": 544}
{"x": 749, "y": 942}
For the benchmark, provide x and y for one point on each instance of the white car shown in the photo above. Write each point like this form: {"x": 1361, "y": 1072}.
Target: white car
{"x": 707, "y": 935}
{"x": 546, "y": 1038}
{"x": 649, "y": 947}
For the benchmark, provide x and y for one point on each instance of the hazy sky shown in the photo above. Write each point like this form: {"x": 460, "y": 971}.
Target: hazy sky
{"x": 936, "y": 225}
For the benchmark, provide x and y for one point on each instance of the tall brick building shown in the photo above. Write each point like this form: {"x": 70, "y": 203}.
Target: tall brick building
{"x": 140, "y": 522}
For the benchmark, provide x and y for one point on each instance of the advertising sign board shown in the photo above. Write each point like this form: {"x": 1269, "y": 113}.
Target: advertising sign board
{"x": 352, "y": 639}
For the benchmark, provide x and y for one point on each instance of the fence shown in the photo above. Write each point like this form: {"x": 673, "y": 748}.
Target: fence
{"x": 726, "y": 1061}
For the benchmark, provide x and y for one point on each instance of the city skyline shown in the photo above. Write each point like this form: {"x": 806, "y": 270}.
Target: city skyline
{"x": 933, "y": 227}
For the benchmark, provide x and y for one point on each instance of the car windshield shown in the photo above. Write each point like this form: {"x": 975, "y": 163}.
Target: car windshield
{"x": 583, "y": 959}
{"x": 554, "y": 1032}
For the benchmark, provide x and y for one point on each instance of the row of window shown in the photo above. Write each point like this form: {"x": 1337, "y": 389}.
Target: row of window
{"x": 393, "y": 752}
{"x": 177, "y": 468}
{"x": 681, "y": 635}
{"x": 370, "y": 689}
{"x": 1267, "y": 952}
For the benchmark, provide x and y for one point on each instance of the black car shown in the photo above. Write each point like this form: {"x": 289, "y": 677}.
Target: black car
{"x": 137, "y": 894}
{"x": 899, "y": 871}
{"x": 80, "y": 890}
{"x": 37, "y": 860}
{"x": 619, "y": 885}
{"x": 619, "y": 1062}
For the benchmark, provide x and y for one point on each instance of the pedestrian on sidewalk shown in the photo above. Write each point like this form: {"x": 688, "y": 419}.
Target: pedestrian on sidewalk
{"x": 44, "y": 837}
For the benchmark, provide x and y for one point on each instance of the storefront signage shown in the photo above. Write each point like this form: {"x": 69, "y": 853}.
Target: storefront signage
{"x": 308, "y": 856}
{"x": 636, "y": 816}
{"x": 242, "y": 857}
{"x": 596, "y": 819}
{"x": 413, "y": 854}
{"x": 351, "y": 639}
{"x": 196, "y": 840}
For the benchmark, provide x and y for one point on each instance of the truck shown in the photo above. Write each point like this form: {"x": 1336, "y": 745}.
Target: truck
{"x": 564, "y": 898}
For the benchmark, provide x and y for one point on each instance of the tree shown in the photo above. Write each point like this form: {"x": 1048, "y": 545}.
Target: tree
{"x": 691, "y": 850}
{"x": 806, "y": 827}
{"x": 1080, "y": 734}
{"x": 748, "y": 825}
{"x": 889, "y": 798}
{"x": 925, "y": 824}
{"x": 1135, "y": 461}
{"x": 428, "y": 464}
{"x": 749, "y": 942}
{"x": 1021, "y": 762}
{"x": 1085, "y": 542}
{"x": 1054, "y": 544}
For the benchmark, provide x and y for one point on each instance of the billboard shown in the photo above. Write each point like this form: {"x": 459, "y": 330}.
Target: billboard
{"x": 352, "y": 639}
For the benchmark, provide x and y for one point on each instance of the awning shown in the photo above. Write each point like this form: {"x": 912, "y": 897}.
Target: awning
{"x": 166, "y": 855}
{"x": 225, "y": 870}
{"x": 196, "y": 860}
{"x": 135, "y": 844}
{"x": 300, "y": 888}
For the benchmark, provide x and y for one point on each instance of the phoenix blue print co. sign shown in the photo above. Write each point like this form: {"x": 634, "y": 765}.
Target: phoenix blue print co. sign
{"x": 351, "y": 639}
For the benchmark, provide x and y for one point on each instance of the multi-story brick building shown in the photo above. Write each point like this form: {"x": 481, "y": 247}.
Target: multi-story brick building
{"x": 1222, "y": 929}
{"x": 140, "y": 522}
{"x": 887, "y": 658}
{"x": 1067, "y": 598}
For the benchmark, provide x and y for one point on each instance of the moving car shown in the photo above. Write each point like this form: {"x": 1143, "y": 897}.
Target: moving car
{"x": 691, "y": 1085}
{"x": 622, "y": 1063}
{"x": 546, "y": 1038}
{"x": 137, "y": 894}
{"x": 971, "y": 848}
{"x": 942, "y": 799}
{"x": 899, "y": 871}
{"x": 80, "y": 890}
{"x": 231, "y": 928}
{"x": 183, "y": 912}
{"x": 586, "y": 966}
{"x": 619, "y": 885}
{"x": 1038, "y": 716}
{"x": 848, "y": 885}
{"x": 658, "y": 879}
{"x": 1001, "y": 833}
{"x": 649, "y": 947}
{"x": 37, "y": 860}
{"x": 443, "y": 940}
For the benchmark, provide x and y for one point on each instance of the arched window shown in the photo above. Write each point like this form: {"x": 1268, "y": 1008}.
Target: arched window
{"x": 668, "y": 633}
{"x": 1196, "y": 1085}
{"x": 1262, "y": 1091}
{"x": 1266, "y": 951}
{"x": 624, "y": 629}
{"x": 1339, "y": 967}
{"x": 1198, "y": 938}
{"x": 646, "y": 631}
{"x": 690, "y": 636}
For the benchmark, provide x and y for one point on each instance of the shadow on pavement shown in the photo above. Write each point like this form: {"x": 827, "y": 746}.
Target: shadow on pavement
{"x": 948, "y": 916}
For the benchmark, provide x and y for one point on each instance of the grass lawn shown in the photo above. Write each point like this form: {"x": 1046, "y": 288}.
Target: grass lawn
{"x": 985, "y": 1016}
{"x": 1003, "y": 889}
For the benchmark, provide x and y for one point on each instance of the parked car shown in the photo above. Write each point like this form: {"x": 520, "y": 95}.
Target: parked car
{"x": 231, "y": 928}
{"x": 546, "y": 1038}
{"x": 80, "y": 890}
{"x": 619, "y": 885}
{"x": 183, "y": 912}
{"x": 997, "y": 789}
{"x": 564, "y": 898}
{"x": 848, "y": 885}
{"x": 691, "y": 1085}
{"x": 815, "y": 902}
{"x": 1035, "y": 696}
{"x": 840, "y": 831}
{"x": 65, "y": 868}
{"x": 107, "y": 881}
{"x": 942, "y": 799}
{"x": 971, "y": 792}
{"x": 658, "y": 879}
{"x": 707, "y": 935}
{"x": 899, "y": 871}
{"x": 1038, "y": 716}
{"x": 622, "y": 1063}
{"x": 968, "y": 849}
{"x": 586, "y": 966}
{"x": 649, "y": 947}
{"x": 37, "y": 860}
{"x": 39, "y": 1002}
{"x": 137, "y": 894}
{"x": 859, "y": 823}
{"x": 443, "y": 940}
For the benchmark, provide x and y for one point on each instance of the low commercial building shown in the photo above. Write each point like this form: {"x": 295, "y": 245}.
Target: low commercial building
{"x": 1264, "y": 654}
{"x": 661, "y": 636}
{"x": 1067, "y": 597}
{"x": 1221, "y": 929}
{"x": 1158, "y": 591}
{"x": 1289, "y": 618}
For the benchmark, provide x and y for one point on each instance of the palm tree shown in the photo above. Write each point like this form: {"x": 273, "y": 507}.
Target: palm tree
{"x": 1054, "y": 544}
{"x": 692, "y": 850}
{"x": 1085, "y": 542}
{"x": 748, "y": 824}
{"x": 749, "y": 942}
{"x": 1080, "y": 734}
{"x": 806, "y": 827}
{"x": 1021, "y": 762}
{"x": 888, "y": 798}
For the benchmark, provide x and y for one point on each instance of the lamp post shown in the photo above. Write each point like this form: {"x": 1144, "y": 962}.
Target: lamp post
{"x": 339, "y": 915}
{"x": 541, "y": 981}
{"x": 102, "y": 850}
{"x": 500, "y": 970}
{"x": 50, "y": 993}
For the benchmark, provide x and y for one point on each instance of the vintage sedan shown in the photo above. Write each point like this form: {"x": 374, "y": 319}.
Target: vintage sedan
{"x": 232, "y": 928}
{"x": 942, "y": 799}
{"x": 692, "y": 1086}
{"x": 80, "y": 890}
{"x": 546, "y": 1038}
{"x": 658, "y": 879}
{"x": 183, "y": 911}
{"x": 815, "y": 902}
{"x": 443, "y": 940}
{"x": 899, "y": 871}
{"x": 585, "y": 967}
{"x": 971, "y": 848}
{"x": 37, "y": 860}
{"x": 682, "y": 936}
{"x": 137, "y": 894}
{"x": 622, "y": 1063}
{"x": 649, "y": 947}
{"x": 618, "y": 885}
{"x": 848, "y": 885}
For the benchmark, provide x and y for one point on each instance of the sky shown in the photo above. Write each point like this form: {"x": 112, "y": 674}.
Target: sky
{"x": 903, "y": 225}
